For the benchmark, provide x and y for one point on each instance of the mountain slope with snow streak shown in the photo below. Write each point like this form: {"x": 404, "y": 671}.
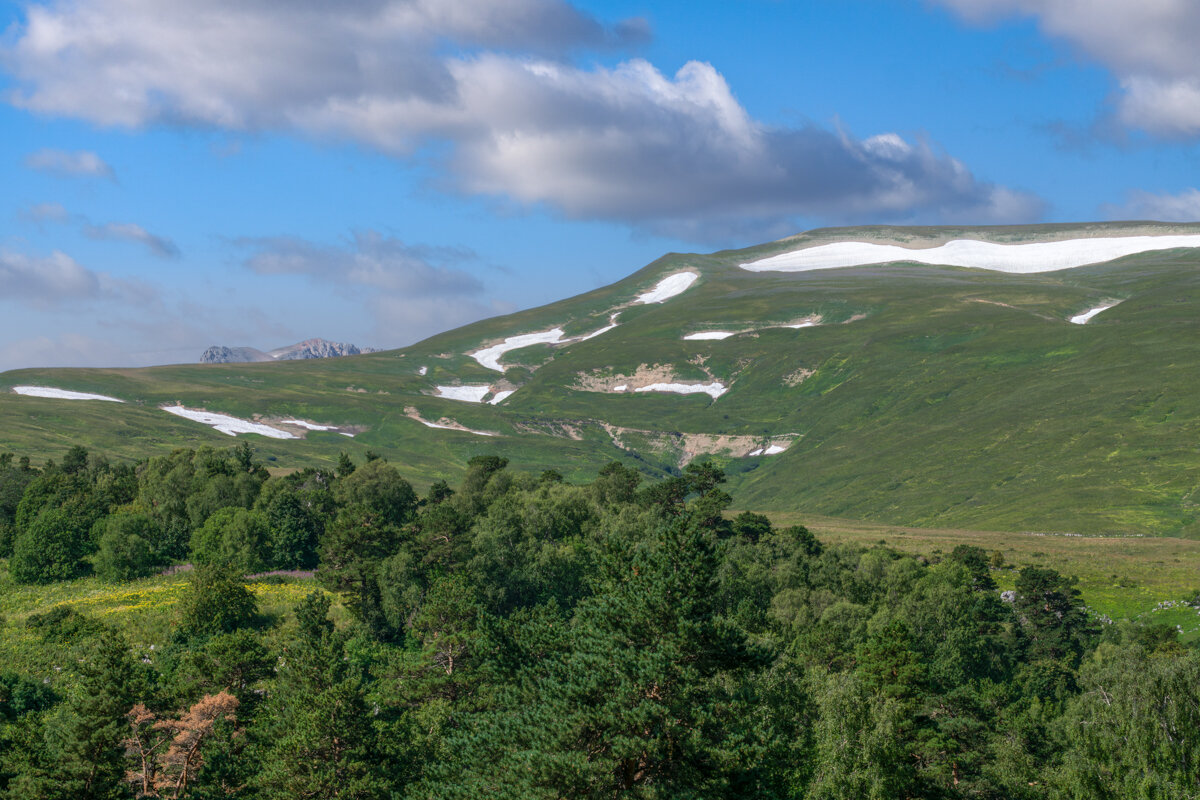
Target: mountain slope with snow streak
{"x": 958, "y": 397}
{"x": 1014, "y": 258}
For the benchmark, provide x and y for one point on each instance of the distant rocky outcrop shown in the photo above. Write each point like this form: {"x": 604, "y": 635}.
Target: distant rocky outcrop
{"x": 309, "y": 348}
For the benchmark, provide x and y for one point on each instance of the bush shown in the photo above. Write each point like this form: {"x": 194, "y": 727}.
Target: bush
{"x": 234, "y": 537}
{"x": 378, "y": 486}
{"x": 215, "y": 601}
{"x": 295, "y": 532}
{"x": 51, "y": 548}
{"x": 127, "y": 548}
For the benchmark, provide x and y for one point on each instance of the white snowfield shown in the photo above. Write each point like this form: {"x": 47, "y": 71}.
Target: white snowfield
{"x": 500, "y": 397}
{"x": 811, "y": 322}
{"x": 468, "y": 394}
{"x": 668, "y": 287}
{"x": 1015, "y": 258}
{"x": 311, "y": 426}
{"x": 714, "y": 389}
{"x": 1082, "y": 319}
{"x": 459, "y": 428}
{"x": 423, "y": 371}
{"x": 228, "y": 425}
{"x": 61, "y": 394}
{"x": 772, "y": 450}
{"x": 490, "y": 356}
{"x": 612, "y": 323}
{"x": 664, "y": 290}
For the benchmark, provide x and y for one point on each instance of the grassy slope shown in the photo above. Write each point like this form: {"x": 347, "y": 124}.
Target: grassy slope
{"x": 1119, "y": 577}
{"x": 940, "y": 407}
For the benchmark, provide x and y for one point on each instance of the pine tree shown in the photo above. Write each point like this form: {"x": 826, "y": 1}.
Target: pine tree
{"x": 85, "y": 758}
{"x": 317, "y": 738}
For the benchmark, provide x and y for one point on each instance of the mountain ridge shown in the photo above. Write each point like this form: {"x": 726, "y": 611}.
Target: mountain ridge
{"x": 309, "y": 348}
{"x": 924, "y": 395}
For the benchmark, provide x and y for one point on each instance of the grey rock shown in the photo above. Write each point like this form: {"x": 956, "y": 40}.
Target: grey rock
{"x": 309, "y": 348}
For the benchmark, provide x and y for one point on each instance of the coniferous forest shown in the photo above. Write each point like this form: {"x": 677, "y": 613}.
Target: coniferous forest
{"x": 518, "y": 636}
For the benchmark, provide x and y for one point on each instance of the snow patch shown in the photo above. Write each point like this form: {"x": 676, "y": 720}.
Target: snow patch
{"x": 714, "y": 389}
{"x": 423, "y": 371}
{"x": 311, "y": 426}
{"x": 61, "y": 394}
{"x": 624, "y": 387}
{"x": 459, "y": 428}
{"x": 228, "y": 425}
{"x": 612, "y": 323}
{"x": 490, "y": 356}
{"x": 668, "y": 287}
{"x": 772, "y": 450}
{"x": 467, "y": 394}
{"x": 1014, "y": 258}
{"x": 443, "y": 424}
{"x": 500, "y": 397}
{"x": 807, "y": 322}
{"x": 1082, "y": 319}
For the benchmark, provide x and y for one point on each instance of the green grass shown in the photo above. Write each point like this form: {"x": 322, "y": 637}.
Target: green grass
{"x": 1124, "y": 578}
{"x": 960, "y": 398}
{"x": 143, "y": 610}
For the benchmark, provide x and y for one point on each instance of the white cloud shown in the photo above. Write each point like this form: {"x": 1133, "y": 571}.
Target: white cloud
{"x": 369, "y": 259}
{"x": 669, "y": 153}
{"x": 48, "y": 279}
{"x": 1150, "y": 45}
{"x": 412, "y": 291}
{"x": 57, "y": 279}
{"x": 64, "y": 350}
{"x": 249, "y": 64}
{"x": 160, "y": 246}
{"x": 130, "y": 232}
{"x": 46, "y": 212}
{"x": 75, "y": 164}
{"x": 632, "y": 144}
{"x": 1182, "y": 207}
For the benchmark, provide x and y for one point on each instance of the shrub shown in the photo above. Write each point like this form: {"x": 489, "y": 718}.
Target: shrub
{"x": 215, "y": 601}
{"x": 234, "y": 537}
{"x": 51, "y": 548}
{"x": 127, "y": 548}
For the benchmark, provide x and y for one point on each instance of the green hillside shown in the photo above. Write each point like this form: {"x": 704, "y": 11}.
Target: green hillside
{"x": 926, "y": 396}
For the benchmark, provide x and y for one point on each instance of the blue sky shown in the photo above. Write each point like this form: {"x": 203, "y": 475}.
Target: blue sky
{"x": 255, "y": 172}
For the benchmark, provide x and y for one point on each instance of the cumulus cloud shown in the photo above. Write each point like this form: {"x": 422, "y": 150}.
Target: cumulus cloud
{"x": 411, "y": 290}
{"x": 57, "y": 279}
{"x": 370, "y": 259}
{"x": 1181, "y": 207}
{"x": 73, "y": 164}
{"x": 256, "y": 63}
{"x": 634, "y": 145}
{"x": 64, "y": 350}
{"x": 1150, "y": 45}
{"x": 160, "y": 246}
{"x": 46, "y": 212}
{"x": 129, "y": 232}
{"x": 675, "y": 153}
